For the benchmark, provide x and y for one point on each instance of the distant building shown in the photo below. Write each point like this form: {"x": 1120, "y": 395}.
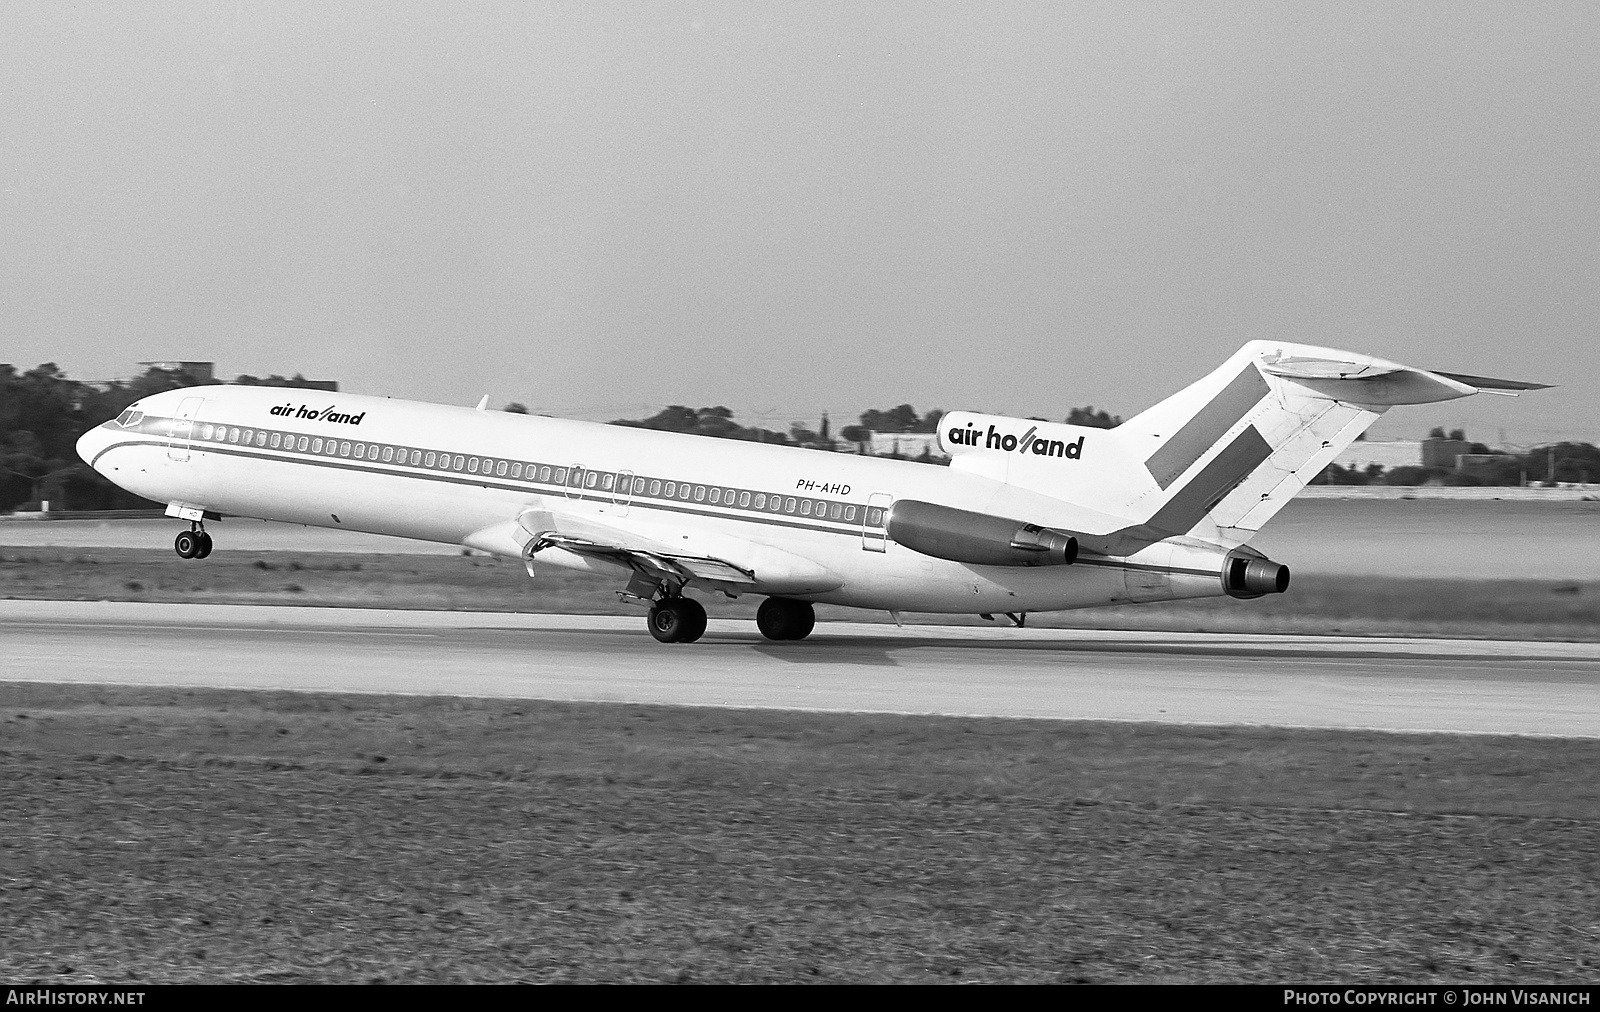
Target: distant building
{"x": 201, "y": 372}
{"x": 1358, "y": 456}
{"x": 905, "y": 444}
{"x": 1438, "y": 452}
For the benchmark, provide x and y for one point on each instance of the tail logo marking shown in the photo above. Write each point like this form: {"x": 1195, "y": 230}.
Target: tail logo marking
{"x": 994, "y": 439}
{"x": 1207, "y": 427}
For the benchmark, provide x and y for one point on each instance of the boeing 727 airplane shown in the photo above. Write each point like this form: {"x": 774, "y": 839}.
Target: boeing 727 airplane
{"x": 1029, "y": 516}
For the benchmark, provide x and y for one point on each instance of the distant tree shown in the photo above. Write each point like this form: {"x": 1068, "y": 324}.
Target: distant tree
{"x": 802, "y": 435}
{"x": 1093, "y": 419}
{"x": 857, "y": 434}
{"x": 297, "y": 381}
{"x": 1562, "y": 462}
{"x": 1408, "y": 475}
{"x": 515, "y": 408}
{"x": 1437, "y": 432}
{"x": 1459, "y": 435}
{"x": 716, "y": 422}
{"x": 901, "y": 419}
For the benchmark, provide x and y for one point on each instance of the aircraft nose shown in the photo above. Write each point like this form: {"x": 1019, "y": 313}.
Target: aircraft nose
{"x": 91, "y": 443}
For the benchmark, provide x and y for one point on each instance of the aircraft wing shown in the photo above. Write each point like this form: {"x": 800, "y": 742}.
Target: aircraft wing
{"x": 658, "y": 564}
{"x": 660, "y": 555}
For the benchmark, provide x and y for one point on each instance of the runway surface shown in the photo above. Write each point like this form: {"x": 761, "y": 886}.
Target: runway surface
{"x": 1297, "y": 681}
{"x": 1396, "y": 537}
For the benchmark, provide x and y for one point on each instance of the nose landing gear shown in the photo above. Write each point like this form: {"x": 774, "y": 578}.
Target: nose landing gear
{"x": 194, "y": 543}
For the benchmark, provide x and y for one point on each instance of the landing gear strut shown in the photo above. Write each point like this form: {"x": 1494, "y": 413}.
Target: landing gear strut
{"x": 781, "y": 619}
{"x": 677, "y": 620}
{"x": 194, "y": 543}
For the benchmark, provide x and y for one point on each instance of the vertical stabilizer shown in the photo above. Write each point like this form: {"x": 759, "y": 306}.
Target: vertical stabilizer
{"x": 1220, "y": 457}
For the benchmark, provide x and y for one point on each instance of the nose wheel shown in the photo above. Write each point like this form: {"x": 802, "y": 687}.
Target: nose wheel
{"x": 192, "y": 544}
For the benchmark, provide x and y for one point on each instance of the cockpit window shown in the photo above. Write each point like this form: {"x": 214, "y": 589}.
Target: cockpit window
{"x": 130, "y": 417}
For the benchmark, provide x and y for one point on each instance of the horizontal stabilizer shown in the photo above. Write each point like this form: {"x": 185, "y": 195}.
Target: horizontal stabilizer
{"x": 1490, "y": 385}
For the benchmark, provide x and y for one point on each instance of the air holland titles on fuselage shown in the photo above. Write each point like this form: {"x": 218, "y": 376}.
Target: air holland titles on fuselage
{"x": 327, "y": 414}
{"x": 1029, "y": 516}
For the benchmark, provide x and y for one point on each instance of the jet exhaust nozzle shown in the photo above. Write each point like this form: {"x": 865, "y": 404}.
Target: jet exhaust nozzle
{"x": 1247, "y": 575}
{"x": 978, "y": 539}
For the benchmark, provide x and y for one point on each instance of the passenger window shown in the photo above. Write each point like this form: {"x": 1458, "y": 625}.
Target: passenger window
{"x": 275, "y": 440}
{"x": 699, "y": 493}
{"x": 672, "y": 489}
{"x": 500, "y": 468}
{"x": 205, "y": 432}
{"x": 428, "y": 460}
{"x": 249, "y": 434}
{"x": 836, "y": 511}
{"x": 472, "y": 465}
{"x": 344, "y": 450}
{"x": 594, "y": 479}
{"x": 460, "y": 462}
{"x": 388, "y": 454}
{"x": 716, "y": 496}
{"x": 849, "y": 512}
{"x": 683, "y": 491}
{"x": 316, "y": 445}
{"x": 516, "y": 470}
{"x": 607, "y": 481}
{"x": 233, "y": 435}
{"x": 805, "y": 507}
{"x": 744, "y": 499}
{"x": 777, "y": 504}
{"x": 416, "y": 456}
{"x": 301, "y": 445}
{"x": 655, "y": 486}
{"x": 638, "y": 486}
{"x": 544, "y": 474}
{"x": 788, "y": 506}
{"x": 561, "y": 476}
{"x": 874, "y": 517}
{"x": 261, "y": 439}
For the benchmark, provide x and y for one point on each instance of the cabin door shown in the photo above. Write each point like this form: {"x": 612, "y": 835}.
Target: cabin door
{"x": 622, "y": 494}
{"x": 875, "y": 521}
{"x": 183, "y": 428}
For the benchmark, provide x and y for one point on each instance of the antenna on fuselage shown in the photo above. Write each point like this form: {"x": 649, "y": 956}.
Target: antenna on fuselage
{"x": 483, "y": 405}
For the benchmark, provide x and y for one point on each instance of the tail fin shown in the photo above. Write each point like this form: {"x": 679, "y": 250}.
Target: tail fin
{"x": 1219, "y": 458}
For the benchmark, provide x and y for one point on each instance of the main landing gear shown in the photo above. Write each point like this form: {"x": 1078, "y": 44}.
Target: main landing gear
{"x": 677, "y": 620}
{"x": 194, "y": 543}
{"x": 682, "y": 620}
{"x": 781, "y": 619}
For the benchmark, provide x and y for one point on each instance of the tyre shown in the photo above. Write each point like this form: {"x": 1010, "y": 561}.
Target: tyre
{"x": 186, "y": 544}
{"x": 667, "y": 622}
{"x": 694, "y": 619}
{"x": 205, "y": 546}
{"x": 805, "y": 620}
{"x": 779, "y": 619}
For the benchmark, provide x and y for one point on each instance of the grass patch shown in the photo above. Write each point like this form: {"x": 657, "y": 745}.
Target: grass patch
{"x": 1489, "y": 609}
{"x": 178, "y": 835}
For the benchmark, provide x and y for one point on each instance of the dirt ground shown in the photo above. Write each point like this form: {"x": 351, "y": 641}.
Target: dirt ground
{"x": 173, "y": 835}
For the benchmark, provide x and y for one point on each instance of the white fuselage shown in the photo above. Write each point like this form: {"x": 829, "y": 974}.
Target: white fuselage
{"x": 811, "y": 521}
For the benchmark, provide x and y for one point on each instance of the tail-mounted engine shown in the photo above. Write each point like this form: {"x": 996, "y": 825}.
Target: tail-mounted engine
{"x": 978, "y": 539}
{"x": 1247, "y": 573}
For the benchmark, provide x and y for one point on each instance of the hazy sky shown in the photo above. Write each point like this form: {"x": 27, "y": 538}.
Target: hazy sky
{"x": 601, "y": 209}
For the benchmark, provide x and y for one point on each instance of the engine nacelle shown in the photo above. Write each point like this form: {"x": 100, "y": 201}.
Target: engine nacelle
{"x": 1247, "y": 574}
{"x": 978, "y": 539}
